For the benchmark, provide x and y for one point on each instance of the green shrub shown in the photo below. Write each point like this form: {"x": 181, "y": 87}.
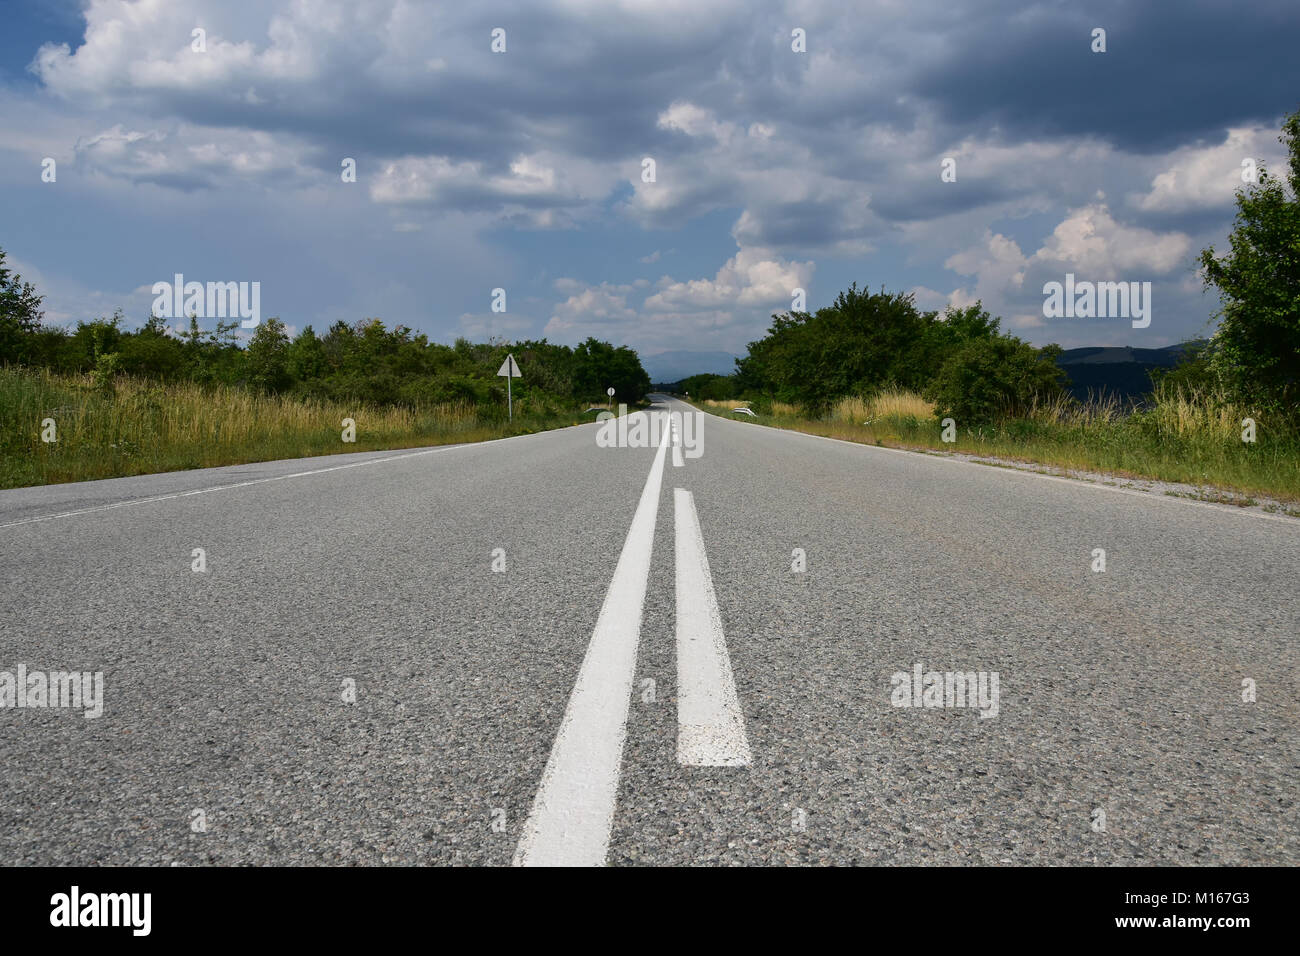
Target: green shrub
{"x": 991, "y": 378}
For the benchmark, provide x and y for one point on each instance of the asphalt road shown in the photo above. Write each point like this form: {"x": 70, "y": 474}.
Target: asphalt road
{"x": 508, "y": 716}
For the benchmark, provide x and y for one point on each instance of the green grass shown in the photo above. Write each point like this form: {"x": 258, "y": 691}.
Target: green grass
{"x": 1192, "y": 437}
{"x": 142, "y": 427}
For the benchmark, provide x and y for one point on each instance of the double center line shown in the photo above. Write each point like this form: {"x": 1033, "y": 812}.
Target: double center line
{"x": 573, "y": 812}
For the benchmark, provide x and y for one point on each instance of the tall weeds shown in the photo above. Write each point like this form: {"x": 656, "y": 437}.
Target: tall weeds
{"x": 138, "y": 426}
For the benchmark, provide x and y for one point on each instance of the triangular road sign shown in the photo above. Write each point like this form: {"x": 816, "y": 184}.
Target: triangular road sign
{"x": 510, "y": 367}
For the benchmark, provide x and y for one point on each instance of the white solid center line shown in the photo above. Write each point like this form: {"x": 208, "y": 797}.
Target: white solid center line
{"x": 573, "y": 811}
{"x": 678, "y": 461}
{"x": 710, "y": 725}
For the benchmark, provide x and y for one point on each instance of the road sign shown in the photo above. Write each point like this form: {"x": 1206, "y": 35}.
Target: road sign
{"x": 510, "y": 369}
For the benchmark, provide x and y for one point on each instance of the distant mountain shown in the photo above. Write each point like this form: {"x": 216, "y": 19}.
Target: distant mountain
{"x": 674, "y": 366}
{"x": 1121, "y": 371}
{"x": 1116, "y": 370}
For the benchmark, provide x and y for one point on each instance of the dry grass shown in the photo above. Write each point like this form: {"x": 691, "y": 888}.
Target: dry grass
{"x": 1192, "y": 436}
{"x": 1198, "y": 412}
{"x": 1062, "y": 410}
{"x": 779, "y": 409}
{"x": 144, "y": 427}
{"x": 888, "y": 403}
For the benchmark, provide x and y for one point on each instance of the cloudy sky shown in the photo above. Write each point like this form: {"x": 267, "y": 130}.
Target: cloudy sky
{"x": 523, "y": 170}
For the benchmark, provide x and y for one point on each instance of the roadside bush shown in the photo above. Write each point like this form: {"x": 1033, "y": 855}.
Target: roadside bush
{"x": 988, "y": 379}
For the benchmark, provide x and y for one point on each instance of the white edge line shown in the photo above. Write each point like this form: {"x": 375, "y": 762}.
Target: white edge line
{"x": 1078, "y": 482}
{"x": 256, "y": 481}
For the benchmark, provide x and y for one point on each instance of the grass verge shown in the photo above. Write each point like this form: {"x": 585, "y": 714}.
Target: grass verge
{"x": 1188, "y": 436}
{"x": 139, "y": 427}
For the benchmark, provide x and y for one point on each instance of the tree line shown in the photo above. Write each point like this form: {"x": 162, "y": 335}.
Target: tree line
{"x": 364, "y": 361}
{"x": 864, "y": 342}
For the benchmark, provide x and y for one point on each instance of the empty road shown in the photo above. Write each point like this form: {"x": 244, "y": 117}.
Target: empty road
{"x": 545, "y": 651}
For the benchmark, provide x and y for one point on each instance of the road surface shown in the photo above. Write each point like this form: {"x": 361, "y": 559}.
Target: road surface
{"x": 545, "y": 651}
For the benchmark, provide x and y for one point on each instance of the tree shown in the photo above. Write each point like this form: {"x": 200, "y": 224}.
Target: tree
{"x": 1256, "y": 350}
{"x": 989, "y": 378}
{"x": 957, "y": 327}
{"x": 152, "y": 351}
{"x": 1191, "y": 373}
{"x": 709, "y": 387}
{"x": 267, "y": 356}
{"x": 107, "y": 360}
{"x": 305, "y": 358}
{"x": 600, "y": 365}
{"x": 96, "y": 338}
{"x": 20, "y": 315}
{"x": 859, "y": 344}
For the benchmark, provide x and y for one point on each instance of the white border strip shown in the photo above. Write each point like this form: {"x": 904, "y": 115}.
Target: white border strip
{"x": 255, "y": 481}
{"x": 203, "y": 491}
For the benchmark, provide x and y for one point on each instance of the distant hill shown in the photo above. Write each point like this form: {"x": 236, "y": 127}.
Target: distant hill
{"x": 675, "y": 366}
{"x": 1117, "y": 370}
{"x": 1121, "y": 371}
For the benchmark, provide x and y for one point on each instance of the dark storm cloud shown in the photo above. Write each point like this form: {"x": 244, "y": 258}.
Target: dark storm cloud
{"x": 1172, "y": 73}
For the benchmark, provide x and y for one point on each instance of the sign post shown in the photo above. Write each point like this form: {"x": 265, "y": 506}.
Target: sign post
{"x": 610, "y": 392}
{"x": 510, "y": 369}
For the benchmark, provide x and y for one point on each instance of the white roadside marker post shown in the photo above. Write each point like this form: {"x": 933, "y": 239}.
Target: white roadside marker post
{"x": 510, "y": 369}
